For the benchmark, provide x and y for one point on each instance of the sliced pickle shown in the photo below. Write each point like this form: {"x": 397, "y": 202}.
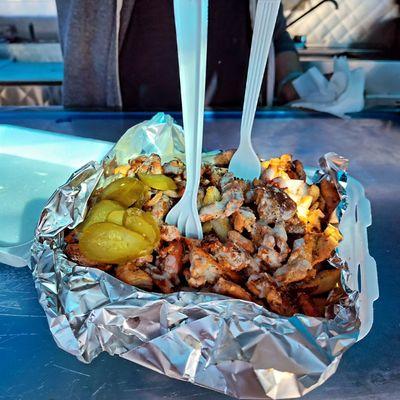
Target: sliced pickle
{"x": 106, "y": 242}
{"x": 116, "y": 217}
{"x": 99, "y": 213}
{"x": 125, "y": 190}
{"x": 148, "y": 216}
{"x": 135, "y": 220}
{"x": 158, "y": 181}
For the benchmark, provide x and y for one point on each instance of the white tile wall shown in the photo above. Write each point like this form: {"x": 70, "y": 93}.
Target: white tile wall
{"x": 23, "y": 8}
{"x": 352, "y": 22}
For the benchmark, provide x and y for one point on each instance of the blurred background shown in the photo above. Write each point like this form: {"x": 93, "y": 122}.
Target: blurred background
{"x": 367, "y": 32}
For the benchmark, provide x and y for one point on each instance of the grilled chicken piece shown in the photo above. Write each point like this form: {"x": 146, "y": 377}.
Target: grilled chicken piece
{"x": 141, "y": 261}
{"x": 231, "y": 257}
{"x": 131, "y": 274}
{"x": 298, "y": 169}
{"x": 161, "y": 208}
{"x": 330, "y": 196}
{"x": 146, "y": 164}
{"x": 228, "y": 288}
{"x": 241, "y": 242}
{"x": 299, "y": 265}
{"x": 273, "y": 249}
{"x": 212, "y": 174}
{"x": 169, "y": 261}
{"x": 264, "y": 287}
{"x": 223, "y": 159}
{"x": 203, "y": 268}
{"x": 295, "y": 226}
{"x": 168, "y": 233}
{"x": 274, "y": 204}
{"x": 244, "y": 219}
{"x": 173, "y": 167}
{"x": 232, "y": 199}
{"x": 161, "y": 279}
{"x": 210, "y": 243}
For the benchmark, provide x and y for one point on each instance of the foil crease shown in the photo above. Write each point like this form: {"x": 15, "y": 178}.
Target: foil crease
{"x": 231, "y": 346}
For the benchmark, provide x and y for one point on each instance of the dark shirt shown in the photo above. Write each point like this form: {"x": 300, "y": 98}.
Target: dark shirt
{"x": 148, "y": 61}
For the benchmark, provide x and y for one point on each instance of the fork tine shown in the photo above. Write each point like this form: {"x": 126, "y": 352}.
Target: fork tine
{"x": 181, "y": 223}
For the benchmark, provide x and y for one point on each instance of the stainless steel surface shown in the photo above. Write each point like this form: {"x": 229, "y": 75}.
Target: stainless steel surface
{"x": 373, "y": 147}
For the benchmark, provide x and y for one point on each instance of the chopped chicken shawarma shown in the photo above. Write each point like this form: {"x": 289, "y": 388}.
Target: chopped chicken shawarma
{"x": 168, "y": 233}
{"x": 213, "y": 174}
{"x": 173, "y": 167}
{"x": 211, "y": 243}
{"x": 222, "y": 159}
{"x": 244, "y": 219}
{"x": 231, "y": 257}
{"x": 203, "y": 268}
{"x": 169, "y": 261}
{"x": 130, "y": 273}
{"x": 241, "y": 242}
{"x": 146, "y": 164}
{"x": 161, "y": 279}
{"x": 267, "y": 241}
{"x": 330, "y": 196}
{"x": 274, "y": 249}
{"x": 228, "y": 288}
{"x": 274, "y": 204}
{"x": 141, "y": 261}
{"x": 232, "y": 199}
{"x": 263, "y": 286}
{"x": 161, "y": 208}
{"x": 294, "y": 226}
{"x": 297, "y": 171}
{"x": 299, "y": 265}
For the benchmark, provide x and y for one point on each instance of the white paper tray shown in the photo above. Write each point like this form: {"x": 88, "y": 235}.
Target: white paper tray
{"x": 33, "y": 164}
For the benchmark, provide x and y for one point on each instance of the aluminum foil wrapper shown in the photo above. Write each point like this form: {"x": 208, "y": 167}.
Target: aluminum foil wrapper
{"x": 228, "y": 345}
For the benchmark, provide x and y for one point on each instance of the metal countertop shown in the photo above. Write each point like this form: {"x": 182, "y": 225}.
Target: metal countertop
{"x": 32, "y": 366}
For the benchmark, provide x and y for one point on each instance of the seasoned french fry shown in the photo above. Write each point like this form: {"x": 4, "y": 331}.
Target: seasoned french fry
{"x": 221, "y": 227}
{"x": 207, "y": 227}
{"x": 314, "y": 192}
{"x": 330, "y": 195}
{"x": 212, "y": 196}
{"x": 122, "y": 170}
{"x": 323, "y": 282}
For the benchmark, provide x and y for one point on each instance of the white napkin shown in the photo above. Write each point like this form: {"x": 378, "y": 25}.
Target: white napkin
{"x": 343, "y": 93}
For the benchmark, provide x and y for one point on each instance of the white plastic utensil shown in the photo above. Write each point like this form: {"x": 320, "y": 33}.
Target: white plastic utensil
{"x": 191, "y": 34}
{"x": 245, "y": 163}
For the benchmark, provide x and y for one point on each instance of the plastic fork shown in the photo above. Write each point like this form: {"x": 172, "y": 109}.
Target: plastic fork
{"x": 245, "y": 163}
{"x": 191, "y": 35}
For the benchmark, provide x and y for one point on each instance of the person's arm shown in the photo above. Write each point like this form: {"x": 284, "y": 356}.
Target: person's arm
{"x": 287, "y": 64}
{"x": 288, "y": 68}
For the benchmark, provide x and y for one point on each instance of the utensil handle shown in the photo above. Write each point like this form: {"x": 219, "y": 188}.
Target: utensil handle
{"x": 266, "y": 14}
{"x": 191, "y": 20}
